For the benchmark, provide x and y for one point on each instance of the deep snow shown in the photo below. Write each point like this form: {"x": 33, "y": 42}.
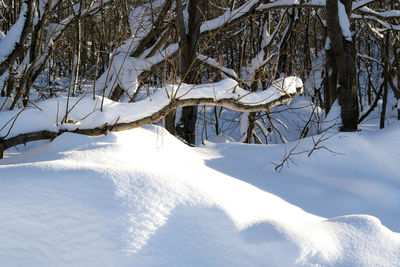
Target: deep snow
{"x": 142, "y": 198}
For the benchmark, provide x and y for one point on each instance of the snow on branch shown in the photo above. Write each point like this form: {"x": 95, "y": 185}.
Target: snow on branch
{"x": 261, "y": 58}
{"x": 142, "y": 22}
{"x": 362, "y": 3}
{"x": 44, "y": 120}
{"x": 53, "y": 33}
{"x": 292, "y": 4}
{"x": 216, "y": 65}
{"x": 382, "y": 15}
{"x": 384, "y": 24}
{"x": 146, "y": 48}
{"x": 232, "y": 15}
{"x": 359, "y": 5}
{"x": 344, "y": 22}
{"x": 125, "y": 70}
{"x": 229, "y": 16}
{"x": 11, "y": 43}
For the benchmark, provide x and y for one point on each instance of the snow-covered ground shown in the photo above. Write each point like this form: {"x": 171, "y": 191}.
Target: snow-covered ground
{"x": 142, "y": 198}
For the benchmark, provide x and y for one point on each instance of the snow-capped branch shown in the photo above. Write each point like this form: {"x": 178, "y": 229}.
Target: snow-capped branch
{"x": 146, "y": 48}
{"x": 261, "y": 58}
{"x": 12, "y": 42}
{"x": 382, "y": 15}
{"x": 229, "y": 16}
{"x": 384, "y": 24}
{"x": 124, "y": 72}
{"x": 44, "y": 39}
{"x": 216, "y": 65}
{"x": 292, "y": 4}
{"x": 151, "y": 32}
{"x": 357, "y": 6}
{"x": 360, "y": 4}
{"x": 344, "y": 22}
{"x": 44, "y": 120}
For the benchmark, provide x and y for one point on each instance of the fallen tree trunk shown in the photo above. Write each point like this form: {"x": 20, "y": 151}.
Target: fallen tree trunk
{"x": 80, "y": 119}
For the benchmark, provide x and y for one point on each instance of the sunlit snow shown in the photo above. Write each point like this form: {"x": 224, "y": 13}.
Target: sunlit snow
{"x": 143, "y": 198}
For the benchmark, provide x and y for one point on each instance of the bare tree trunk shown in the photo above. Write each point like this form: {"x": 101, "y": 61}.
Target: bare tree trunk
{"x": 253, "y": 115}
{"x": 78, "y": 48}
{"x": 188, "y": 47}
{"x": 330, "y": 81}
{"x": 170, "y": 122}
{"x": 396, "y": 71}
{"x": 386, "y": 80}
{"x": 344, "y": 51}
{"x": 250, "y": 130}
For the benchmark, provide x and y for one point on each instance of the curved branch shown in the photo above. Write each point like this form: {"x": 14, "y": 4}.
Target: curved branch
{"x": 115, "y": 118}
{"x": 160, "y": 114}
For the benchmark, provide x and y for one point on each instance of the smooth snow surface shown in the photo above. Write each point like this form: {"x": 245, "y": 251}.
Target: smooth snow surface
{"x": 142, "y": 198}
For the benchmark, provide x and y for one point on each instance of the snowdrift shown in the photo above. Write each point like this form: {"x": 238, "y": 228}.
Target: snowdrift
{"x": 142, "y": 198}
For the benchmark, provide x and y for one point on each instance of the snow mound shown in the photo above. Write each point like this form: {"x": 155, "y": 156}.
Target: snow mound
{"x": 221, "y": 138}
{"x": 142, "y": 198}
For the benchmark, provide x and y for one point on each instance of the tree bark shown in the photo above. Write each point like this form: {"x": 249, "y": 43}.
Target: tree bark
{"x": 170, "y": 122}
{"x": 189, "y": 42}
{"x": 396, "y": 72}
{"x": 330, "y": 81}
{"x": 344, "y": 52}
{"x": 385, "y": 80}
{"x": 77, "y": 50}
